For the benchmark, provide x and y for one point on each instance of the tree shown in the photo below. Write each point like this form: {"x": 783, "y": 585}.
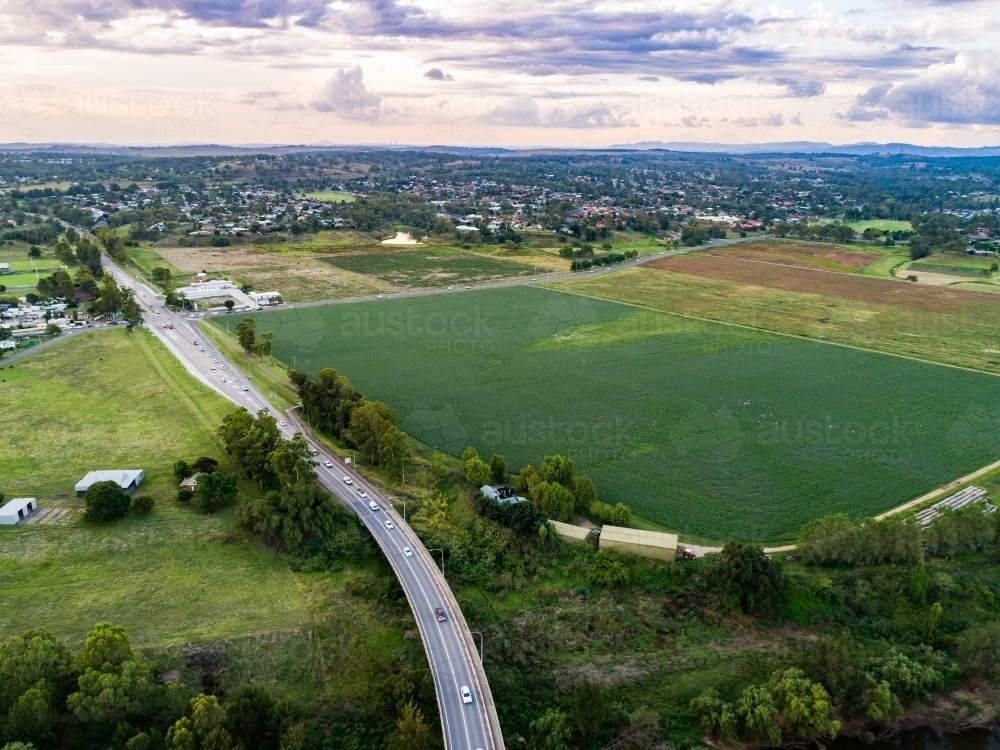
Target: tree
{"x": 130, "y": 311}
{"x": 554, "y": 500}
{"x": 620, "y": 515}
{"x": 395, "y": 448}
{"x": 557, "y": 469}
{"x": 29, "y": 658}
{"x": 714, "y": 714}
{"x": 34, "y": 252}
{"x": 609, "y": 569}
{"x": 30, "y": 718}
{"x": 979, "y": 651}
{"x": 202, "y": 463}
{"x": 53, "y": 329}
{"x": 370, "y": 420}
{"x": 105, "y": 696}
{"x": 216, "y": 489}
{"x": 931, "y": 623}
{"x": 588, "y": 708}
{"x": 550, "y": 731}
{"x": 412, "y": 732}
{"x": 142, "y": 504}
{"x": 585, "y": 493}
{"x": 918, "y": 584}
{"x": 749, "y": 579}
{"x": 251, "y": 441}
{"x": 105, "y": 500}
{"x": 477, "y": 473}
{"x": 229, "y": 304}
{"x": 433, "y": 512}
{"x": 292, "y": 460}
{"x": 498, "y": 468}
{"x": 468, "y": 453}
{"x": 262, "y": 348}
{"x": 245, "y": 334}
{"x": 298, "y": 517}
{"x": 248, "y": 714}
{"x": 804, "y": 704}
{"x": 755, "y": 709}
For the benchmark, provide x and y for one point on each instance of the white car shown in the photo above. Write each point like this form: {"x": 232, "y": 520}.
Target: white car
{"x": 214, "y": 359}
{"x": 390, "y": 525}
{"x": 328, "y": 464}
{"x": 282, "y": 422}
{"x": 223, "y": 380}
{"x": 201, "y": 348}
{"x": 466, "y": 694}
{"x": 223, "y": 367}
{"x": 347, "y": 480}
{"x": 362, "y": 493}
{"x": 373, "y": 505}
{"x": 407, "y": 551}
{"x": 213, "y": 367}
{"x": 245, "y": 388}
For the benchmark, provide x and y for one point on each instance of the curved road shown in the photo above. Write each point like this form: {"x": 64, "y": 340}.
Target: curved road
{"x": 451, "y": 652}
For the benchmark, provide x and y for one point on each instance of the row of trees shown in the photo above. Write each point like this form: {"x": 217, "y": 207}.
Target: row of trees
{"x": 108, "y": 695}
{"x": 246, "y": 334}
{"x": 334, "y": 407}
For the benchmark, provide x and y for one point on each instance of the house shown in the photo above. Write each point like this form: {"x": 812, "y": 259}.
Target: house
{"x": 127, "y": 479}
{"x": 640, "y": 543}
{"x": 502, "y": 495}
{"x": 190, "y": 483}
{"x": 17, "y": 510}
{"x": 4, "y": 267}
{"x": 266, "y": 299}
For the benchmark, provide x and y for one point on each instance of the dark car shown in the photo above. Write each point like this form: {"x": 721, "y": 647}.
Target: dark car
{"x": 439, "y": 613}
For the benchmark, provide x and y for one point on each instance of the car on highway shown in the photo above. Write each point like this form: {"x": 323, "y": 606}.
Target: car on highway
{"x": 407, "y": 551}
{"x": 347, "y": 480}
{"x": 201, "y": 348}
{"x": 439, "y": 614}
{"x": 214, "y": 359}
{"x": 373, "y": 505}
{"x": 362, "y": 493}
{"x": 213, "y": 367}
{"x": 267, "y": 408}
{"x": 223, "y": 380}
{"x": 223, "y": 367}
{"x": 282, "y": 423}
{"x": 245, "y": 388}
{"x": 390, "y": 525}
{"x": 328, "y": 464}
{"x": 466, "y": 694}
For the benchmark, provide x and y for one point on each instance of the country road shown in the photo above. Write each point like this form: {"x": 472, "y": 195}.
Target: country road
{"x": 451, "y": 653}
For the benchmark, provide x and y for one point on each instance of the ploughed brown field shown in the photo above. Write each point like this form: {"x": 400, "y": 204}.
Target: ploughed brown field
{"x": 814, "y": 281}
{"x": 808, "y": 255}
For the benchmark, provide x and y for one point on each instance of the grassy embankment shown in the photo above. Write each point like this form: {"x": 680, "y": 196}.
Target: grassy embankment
{"x": 175, "y": 579}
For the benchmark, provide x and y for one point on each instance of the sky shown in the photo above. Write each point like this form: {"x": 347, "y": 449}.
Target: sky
{"x": 580, "y": 74}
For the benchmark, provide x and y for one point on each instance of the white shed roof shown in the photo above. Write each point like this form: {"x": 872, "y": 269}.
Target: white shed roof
{"x": 18, "y": 503}
{"x": 124, "y": 477}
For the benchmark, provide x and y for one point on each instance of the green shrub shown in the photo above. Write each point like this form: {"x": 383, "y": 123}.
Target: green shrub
{"x": 105, "y": 500}
{"x": 142, "y": 504}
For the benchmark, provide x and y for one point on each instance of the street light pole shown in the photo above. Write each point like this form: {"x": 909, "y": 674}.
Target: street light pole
{"x": 437, "y": 549}
{"x": 481, "y": 647}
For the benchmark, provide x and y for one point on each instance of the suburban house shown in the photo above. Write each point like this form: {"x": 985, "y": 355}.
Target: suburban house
{"x": 127, "y": 479}
{"x": 502, "y": 495}
{"x": 191, "y": 483}
{"x": 17, "y": 510}
{"x": 653, "y": 544}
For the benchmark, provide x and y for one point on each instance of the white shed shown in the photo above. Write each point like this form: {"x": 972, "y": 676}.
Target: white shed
{"x": 17, "y": 510}
{"x": 127, "y": 479}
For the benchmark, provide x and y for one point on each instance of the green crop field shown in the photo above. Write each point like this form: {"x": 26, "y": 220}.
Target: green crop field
{"x": 332, "y": 196}
{"x": 430, "y": 267}
{"x": 105, "y": 400}
{"x": 886, "y": 225}
{"x": 709, "y": 429}
{"x": 950, "y": 270}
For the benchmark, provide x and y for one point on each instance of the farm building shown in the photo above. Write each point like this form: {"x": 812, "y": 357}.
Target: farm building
{"x": 127, "y": 479}
{"x": 191, "y": 483}
{"x": 17, "y": 510}
{"x": 502, "y": 495}
{"x": 569, "y": 532}
{"x": 640, "y": 543}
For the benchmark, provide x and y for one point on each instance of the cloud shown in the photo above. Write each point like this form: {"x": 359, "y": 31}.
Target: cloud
{"x": 436, "y": 74}
{"x": 801, "y": 87}
{"x": 526, "y": 111}
{"x": 347, "y": 95}
{"x": 965, "y": 91}
{"x": 648, "y": 78}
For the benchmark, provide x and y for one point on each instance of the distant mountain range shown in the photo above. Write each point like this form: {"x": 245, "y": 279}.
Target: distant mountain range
{"x": 810, "y": 147}
{"x": 791, "y": 147}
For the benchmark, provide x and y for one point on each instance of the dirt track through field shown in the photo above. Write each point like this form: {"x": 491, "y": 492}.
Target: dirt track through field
{"x": 848, "y": 286}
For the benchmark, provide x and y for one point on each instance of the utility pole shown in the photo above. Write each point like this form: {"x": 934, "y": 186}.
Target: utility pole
{"x": 481, "y": 647}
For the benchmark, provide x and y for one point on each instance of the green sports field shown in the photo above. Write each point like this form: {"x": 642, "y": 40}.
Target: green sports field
{"x": 705, "y": 428}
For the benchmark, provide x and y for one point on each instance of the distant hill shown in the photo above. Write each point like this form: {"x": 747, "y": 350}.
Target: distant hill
{"x": 810, "y": 147}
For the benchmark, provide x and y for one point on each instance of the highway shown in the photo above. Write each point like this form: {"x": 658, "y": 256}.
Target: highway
{"x": 451, "y": 653}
